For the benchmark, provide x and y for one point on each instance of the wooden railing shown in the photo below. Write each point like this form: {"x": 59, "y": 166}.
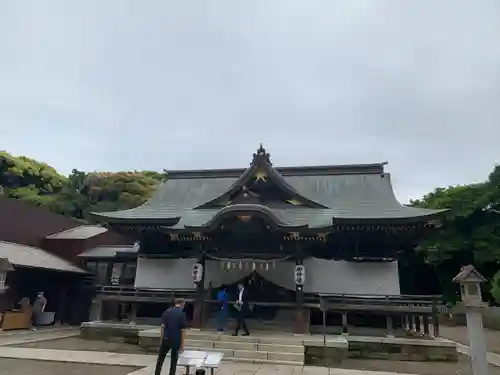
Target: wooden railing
{"x": 414, "y": 314}
{"x": 121, "y": 293}
{"x": 383, "y": 304}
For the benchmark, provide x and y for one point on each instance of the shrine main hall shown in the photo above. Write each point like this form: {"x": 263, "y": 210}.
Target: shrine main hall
{"x": 294, "y": 235}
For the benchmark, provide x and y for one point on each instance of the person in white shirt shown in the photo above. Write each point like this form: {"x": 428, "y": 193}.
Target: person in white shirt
{"x": 241, "y": 306}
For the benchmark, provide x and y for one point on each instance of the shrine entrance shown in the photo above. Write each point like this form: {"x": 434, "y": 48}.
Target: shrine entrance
{"x": 268, "y": 294}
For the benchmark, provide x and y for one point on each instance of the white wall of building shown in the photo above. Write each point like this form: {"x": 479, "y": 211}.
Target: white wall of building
{"x": 322, "y": 276}
{"x": 164, "y": 273}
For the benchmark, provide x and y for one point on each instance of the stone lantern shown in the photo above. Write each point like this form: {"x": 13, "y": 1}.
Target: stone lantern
{"x": 472, "y": 301}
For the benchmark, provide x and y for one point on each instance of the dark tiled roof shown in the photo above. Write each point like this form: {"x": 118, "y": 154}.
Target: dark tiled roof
{"x": 34, "y": 257}
{"x": 343, "y": 193}
{"x": 110, "y": 251}
{"x": 82, "y": 232}
{"x": 353, "y": 196}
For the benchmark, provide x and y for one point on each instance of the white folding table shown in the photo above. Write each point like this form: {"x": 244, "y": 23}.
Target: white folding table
{"x": 200, "y": 359}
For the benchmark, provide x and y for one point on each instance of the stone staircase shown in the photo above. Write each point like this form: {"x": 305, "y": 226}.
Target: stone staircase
{"x": 258, "y": 348}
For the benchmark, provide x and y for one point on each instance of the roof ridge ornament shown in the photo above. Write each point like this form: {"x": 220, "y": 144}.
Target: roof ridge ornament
{"x": 261, "y": 156}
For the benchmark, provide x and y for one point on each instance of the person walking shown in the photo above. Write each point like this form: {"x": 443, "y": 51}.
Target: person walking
{"x": 241, "y": 307}
{"x": 172, "y": 334}
{"x": 37, "y": 309}
{"x": 223, "y": 299}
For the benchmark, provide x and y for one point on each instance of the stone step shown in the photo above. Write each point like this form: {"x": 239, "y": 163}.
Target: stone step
{"x": 253, "y": 349}
{"x": 256, "y": 339}
{"x": 232, "y": 345}
{"x": 256, "y": 356}
{"x": 264, "y": 361}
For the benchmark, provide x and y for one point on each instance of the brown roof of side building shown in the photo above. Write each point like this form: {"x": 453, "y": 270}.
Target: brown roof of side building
{"x": 26, "y": 224}
{"x": 65, "y": 237}
{"x": 34, "y": 257}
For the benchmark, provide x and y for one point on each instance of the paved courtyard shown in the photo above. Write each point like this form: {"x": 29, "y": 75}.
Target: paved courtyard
{"x": 459, "y": 334}
{"x": 30, "y": 367}
{"x": 61, "y": 352}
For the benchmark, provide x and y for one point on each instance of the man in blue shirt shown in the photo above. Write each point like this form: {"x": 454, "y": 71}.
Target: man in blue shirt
{"x": 222, "y": 298}
{"x": 172, "y": 333}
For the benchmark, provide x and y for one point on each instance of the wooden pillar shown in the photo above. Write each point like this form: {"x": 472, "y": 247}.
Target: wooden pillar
{"x": 62, "y": 305}
{"x": 435, "y": 325}
{"x": 417, "y": 324}
{"x": 389, "y": 325}
{"x": 200, "y": 297}
{"x": 301, "y": 320}
{"x": 133, "y": 312}
{"x": 435, "y": 319}
{"x": 411, "y": 322}
{"x": 426, "y": 325}
{"x": 345, "y": 330}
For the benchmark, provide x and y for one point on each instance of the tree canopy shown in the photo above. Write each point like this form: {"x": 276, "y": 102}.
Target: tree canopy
{"x": 77, "y": 194}
{"x": 470, "y": 231}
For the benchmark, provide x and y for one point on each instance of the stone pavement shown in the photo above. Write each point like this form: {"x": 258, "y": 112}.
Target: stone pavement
{"x": 493, "y": 358}
{"x": 147, "y": 362}
{"x": 24, "y": 337}
{"x": 459, "y": 334}
{"x": 143, "y": 361}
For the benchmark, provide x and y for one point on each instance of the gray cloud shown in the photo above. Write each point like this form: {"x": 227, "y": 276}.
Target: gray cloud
{"x": 178, "y": 84}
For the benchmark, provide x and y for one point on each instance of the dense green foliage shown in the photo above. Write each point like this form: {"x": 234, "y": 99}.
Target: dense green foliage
{"x": 470, "y": 231}
{"x": 77, "y": 194}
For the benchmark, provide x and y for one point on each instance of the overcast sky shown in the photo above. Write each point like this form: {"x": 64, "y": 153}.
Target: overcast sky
{"x": 119, "y": 85}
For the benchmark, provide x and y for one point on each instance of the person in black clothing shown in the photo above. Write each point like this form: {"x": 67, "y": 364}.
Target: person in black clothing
{"x": 173, "y": 329}
{"x": 241, "y": 307}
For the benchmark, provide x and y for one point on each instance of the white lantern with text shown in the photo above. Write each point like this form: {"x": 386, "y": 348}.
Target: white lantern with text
{"x": 3, "y": 278}
{"x": 300, "y": 275}
{"x": 197, "y": 272}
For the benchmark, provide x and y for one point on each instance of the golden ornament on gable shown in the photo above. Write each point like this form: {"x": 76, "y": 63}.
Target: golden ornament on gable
{"x": 295, "y": 202}
{"x": 260, "y": 175}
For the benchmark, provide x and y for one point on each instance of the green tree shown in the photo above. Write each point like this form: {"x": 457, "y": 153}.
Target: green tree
{"x": 470, "y": 232}
{"x": 28, "y": 179}
{"x": 495, "y": 287}
{"x": 80, "y": 192}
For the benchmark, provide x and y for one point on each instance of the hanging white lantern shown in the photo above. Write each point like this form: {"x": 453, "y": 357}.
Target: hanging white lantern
{"x": 197, "y": 272}
{"x": 300, "y": 275}
{"x": 267, "y": 266}
{"x": 240, "y": 265}
{"x": 253, "y": 266}
{"x": 3, "y": 278}
{"x": 116, "y": 273}
{"x": 228, "y": 265}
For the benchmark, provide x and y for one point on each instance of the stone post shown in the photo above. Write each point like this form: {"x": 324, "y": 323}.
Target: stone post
{"x": 470, "y": 289}
{"x": 96, "y": 311}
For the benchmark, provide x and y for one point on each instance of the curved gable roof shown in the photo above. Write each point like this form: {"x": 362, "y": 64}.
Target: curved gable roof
{"x": 341, "y": 193}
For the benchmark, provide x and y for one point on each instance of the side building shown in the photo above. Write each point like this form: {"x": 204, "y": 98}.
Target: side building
{"x": 40, "y": 252}
{"x": 297, "y": 236}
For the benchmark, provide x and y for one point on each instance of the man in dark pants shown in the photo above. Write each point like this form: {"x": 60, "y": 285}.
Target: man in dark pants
{"x": 241, "y": 307}
{"x": 172, "y": 333}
